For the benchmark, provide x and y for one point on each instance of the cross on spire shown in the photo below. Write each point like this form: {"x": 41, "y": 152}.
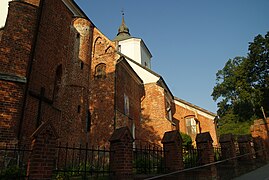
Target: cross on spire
{"x": 123, "y": 31}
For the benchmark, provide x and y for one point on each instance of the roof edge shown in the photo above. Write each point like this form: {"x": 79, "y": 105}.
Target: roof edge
{"x": 195, "y": 106}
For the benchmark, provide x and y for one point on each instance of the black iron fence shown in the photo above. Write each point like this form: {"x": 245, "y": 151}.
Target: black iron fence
{"x": 217, "y": 154}
{"x": 191, "y": 157}
{"x": 224, "y": 169}
{"x": 13, "y": 162}
{"x": 148, "y": 159}
{"x": 81, "y": 162}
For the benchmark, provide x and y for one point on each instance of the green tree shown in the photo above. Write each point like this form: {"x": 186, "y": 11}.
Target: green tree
{"x": 242, "y": 87}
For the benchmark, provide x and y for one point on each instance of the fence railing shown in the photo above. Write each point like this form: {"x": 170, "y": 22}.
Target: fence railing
{"x": 13, "y": 162}
{"x": 217, "y": 154}
{"x": 81, "y": 162}
{"x": 222, "y": 169}
{"x": 191, "y": 157}
{"x": 148, "y": 160}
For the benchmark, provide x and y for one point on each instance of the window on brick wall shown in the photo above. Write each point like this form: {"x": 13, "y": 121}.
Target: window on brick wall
{"x": 57, "y": 81}
{"x": 168, "y": 111}
{"x": 81, "y": 65}
{"x": 126, "y": 105}
{"x": 88, "y": 120}
{"x": 192, "y": 126}
{"x": 100, "y": 71}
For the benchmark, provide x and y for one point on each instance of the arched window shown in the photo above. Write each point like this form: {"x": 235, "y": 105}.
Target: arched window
{"x": 57, "y": 81}
{"x": 100, "y": 71}
{"x": 168, "y": 111}
{"x": 126, "y": 105}
{"x": 96, "y": 46}
{"x": 192, "y": 126}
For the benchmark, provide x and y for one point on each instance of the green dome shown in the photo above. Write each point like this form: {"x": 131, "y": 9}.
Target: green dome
{"x": 123, "y": 31}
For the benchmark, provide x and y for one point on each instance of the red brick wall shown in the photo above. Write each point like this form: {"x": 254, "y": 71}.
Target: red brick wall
{"x": 154, "y": 122}
{"x": 33, "y": 2}
{"x": 11, "y": 98}
{"x": 106, "y": 115}
{"x": 260, "y": 128}
{"x": 15, "y": 53}
{"x": 16, "y": 42}
{"x": 62, "y": 41}
{"x": 206, "y": 124}
{"x": 102, "y": 90}
{"x": 134, "y": 90}
{"x": 1, "y": 33}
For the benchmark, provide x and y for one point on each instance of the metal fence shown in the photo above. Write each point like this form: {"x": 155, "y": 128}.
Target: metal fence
{"x": 13, "y": 162}
{"x": 224, "y": 169}
{"x": 217, "y": 154}
{"x": 148, "y": 160}
{"x": 81, "y": 162}
{"x": 191, "y": 157}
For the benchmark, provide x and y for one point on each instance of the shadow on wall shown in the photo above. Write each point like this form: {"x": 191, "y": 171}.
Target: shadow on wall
{"x": 101, "y": 123}
{"x": 147, "y": 133}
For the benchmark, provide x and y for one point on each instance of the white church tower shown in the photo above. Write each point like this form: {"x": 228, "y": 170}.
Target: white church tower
{"x": 132, "y": 47}
{"x": 3, "y": 12}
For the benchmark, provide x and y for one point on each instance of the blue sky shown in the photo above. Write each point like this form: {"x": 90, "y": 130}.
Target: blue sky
{"x": 190, "y": 40}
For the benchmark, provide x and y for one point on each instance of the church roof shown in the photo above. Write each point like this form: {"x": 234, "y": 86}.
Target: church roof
{"x": 76, "y": 10}
{"x": 123, "y": 60}
{"x": 123, "y": 31}
{"x": 160, "y": 82}
{"x": 195, "y": 106}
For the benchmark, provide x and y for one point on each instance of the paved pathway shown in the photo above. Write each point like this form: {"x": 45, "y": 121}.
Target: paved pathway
{"x": 261, "y": 173}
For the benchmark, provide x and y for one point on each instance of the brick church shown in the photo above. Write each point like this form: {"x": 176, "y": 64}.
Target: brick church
{"x": 57, "y": 66}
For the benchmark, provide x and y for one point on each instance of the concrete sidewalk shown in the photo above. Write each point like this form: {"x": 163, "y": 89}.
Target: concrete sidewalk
{"x": 261, "y": 173}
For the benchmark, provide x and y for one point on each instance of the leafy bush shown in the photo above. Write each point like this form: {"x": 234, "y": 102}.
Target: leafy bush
{"x": 187, "y": 141}
{"x": 12, "y": 172}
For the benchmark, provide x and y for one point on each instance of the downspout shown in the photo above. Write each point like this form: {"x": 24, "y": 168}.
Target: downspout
{"x": 88, "y": 122}
{"x": 29, "y": 70}
{"x": 115, "y": 95}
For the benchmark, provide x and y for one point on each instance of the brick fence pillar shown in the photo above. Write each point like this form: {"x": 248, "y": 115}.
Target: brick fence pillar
{"x": 228, "y": 150}
{"x": 121, "y": 156}
{"x": 41, "y": 163}
{"x": 245, "y": 146}
{"x": 227, "y": 143}
{"x": 260, "y": 148}
{"x": 205, "y": 148}
{"x": 173, "y": 156}
{"x": 260, "y": 130}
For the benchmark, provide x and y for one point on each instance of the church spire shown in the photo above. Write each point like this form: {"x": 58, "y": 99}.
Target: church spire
{"x": 123, "y": 31}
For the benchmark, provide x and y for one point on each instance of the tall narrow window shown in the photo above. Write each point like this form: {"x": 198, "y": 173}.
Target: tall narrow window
{"x": 88, "y": 120}
{"x": 168, "y": 111}
{"x": 79, "y": 108}
{"x": 81, "y": 65}
{"x": 126, "y": 105}
{"x": 100, "y": 71}
{"x": 192, "y": 126}
{"x": 133, "y": 133}
{"x": 57, "y": 81}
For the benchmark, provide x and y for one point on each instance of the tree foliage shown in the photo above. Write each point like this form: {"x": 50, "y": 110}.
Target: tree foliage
{"x": 242, "y": 86}
{"x": 187, "y": 141}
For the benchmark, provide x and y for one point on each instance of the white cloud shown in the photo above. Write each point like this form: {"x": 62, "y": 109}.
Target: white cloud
{"x": 3, "y": 11}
